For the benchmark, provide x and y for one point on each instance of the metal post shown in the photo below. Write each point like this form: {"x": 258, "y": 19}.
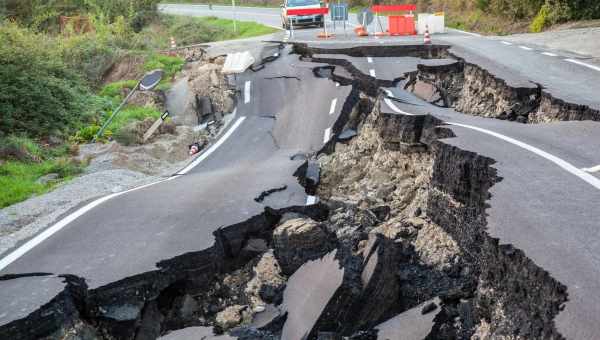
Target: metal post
{"x": 234, "y": 16}
{"x": 112, "y": 116}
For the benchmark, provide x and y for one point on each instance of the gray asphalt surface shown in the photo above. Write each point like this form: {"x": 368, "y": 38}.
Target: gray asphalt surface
{"x": 539, "y": 207}
{"x": 128, "y": 234}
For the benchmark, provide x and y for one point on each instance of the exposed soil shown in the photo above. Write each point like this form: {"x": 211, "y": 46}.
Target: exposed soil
{"x": 471, "y": 89}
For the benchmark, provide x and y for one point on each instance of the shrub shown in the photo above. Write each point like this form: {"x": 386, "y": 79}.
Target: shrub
{"x": 541, "y": 19}
{"x": 39, "y": 94}
{"x": 86, "y": 134}
{"x": 90, "y": 55}
{"x": 20, "y": 149}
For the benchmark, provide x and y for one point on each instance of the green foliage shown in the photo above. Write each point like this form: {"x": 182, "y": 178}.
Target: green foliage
{"x": 115, "y": 90}
{"x": 87, "y": 133}
{"x": 170, "y": 65}
{"x": 40, "y": 95}
{"x": 130, "y": 114}
{"x": 541, "y": 19}
{"x": 89, "y": 54}
{"x": 19, "y": 149}
{"x": 18, "y": 180}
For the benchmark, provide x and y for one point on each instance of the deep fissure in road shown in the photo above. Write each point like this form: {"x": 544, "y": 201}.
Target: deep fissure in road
{"x": 401, "y": 225}
{"x": 471, "y": 89}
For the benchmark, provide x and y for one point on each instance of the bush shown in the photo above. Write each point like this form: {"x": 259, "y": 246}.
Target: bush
{"x": 541, "y": 19}
{"x": 88, "y": 54}
{"x": 39, "y": 94}
{"x": 20, "y": 149}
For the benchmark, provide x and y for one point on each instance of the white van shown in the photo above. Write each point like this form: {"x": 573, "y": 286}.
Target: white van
{"x": 301, "y": 20}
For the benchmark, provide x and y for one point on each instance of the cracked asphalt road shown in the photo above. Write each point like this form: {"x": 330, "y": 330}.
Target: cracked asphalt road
{"x": 546, "y": 211}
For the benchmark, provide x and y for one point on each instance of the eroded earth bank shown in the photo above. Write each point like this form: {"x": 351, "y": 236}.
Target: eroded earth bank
{"x": 396, "y": 247}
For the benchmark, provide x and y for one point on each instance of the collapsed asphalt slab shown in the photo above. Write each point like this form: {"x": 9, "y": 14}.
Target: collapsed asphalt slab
{"x": 402, "y": 222}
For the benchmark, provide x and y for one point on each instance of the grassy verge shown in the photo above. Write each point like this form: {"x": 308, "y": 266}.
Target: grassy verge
{"x": 26, "y": 162}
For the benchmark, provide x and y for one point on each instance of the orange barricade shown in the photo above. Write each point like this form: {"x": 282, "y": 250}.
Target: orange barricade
{"x": 401, "y": 25}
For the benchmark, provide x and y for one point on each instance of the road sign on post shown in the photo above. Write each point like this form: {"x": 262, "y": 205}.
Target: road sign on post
{"x": 339, "y": 12}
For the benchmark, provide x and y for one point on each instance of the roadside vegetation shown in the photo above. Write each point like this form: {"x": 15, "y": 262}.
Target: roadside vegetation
{"x": 486, "y": 16}
{"x": 54, "y": 93}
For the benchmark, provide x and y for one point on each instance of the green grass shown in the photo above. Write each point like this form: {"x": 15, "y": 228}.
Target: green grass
{"x": 18, "y": 179}
{"x": 114, "y": 90}
{"x": 130, "y": 114}
{"x": 170, "y": 65}
{"x": 245, "y": 29}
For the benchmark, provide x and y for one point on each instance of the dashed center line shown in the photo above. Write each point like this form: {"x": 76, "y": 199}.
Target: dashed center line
{"x": 372, "y": 73}
{"x": 525, "y": 48}
{"x": 369, "y": 60}
{"x": 506, "y": 43}
{"x": 327, "y": 135}
{"x": 332, "y": 107}
{"x": 247, "y": 91}
{"x": 592, "y": 169}
{"x": 596, "y": 68}
{"x": 550, "y": 54}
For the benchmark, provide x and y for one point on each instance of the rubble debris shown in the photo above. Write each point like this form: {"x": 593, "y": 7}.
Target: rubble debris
{"x": 297, "y": 241}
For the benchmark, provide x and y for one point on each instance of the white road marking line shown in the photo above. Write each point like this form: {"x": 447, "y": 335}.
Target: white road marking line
{"x": 310, "y": 200}
{"x": 592, "y": 169}
{"x": 465, "y": 32}
{"x": 22, "y": 250}
{"x": 596, "y": 68}
{"x": 372, "y": 73}
{"x": 369, "y": 60}
{"x": 247, "y": 91}
{"x": 506, "y": 43}
{"x": 332, "y": 107}
{"x": 525, "y": 48}
{"x": 550, "y": 54}
{"x": 391, "y": 105}
{"x": 593, "y": 181}
{"x": 214, "y": 147}
{"x": 327, "y": 135}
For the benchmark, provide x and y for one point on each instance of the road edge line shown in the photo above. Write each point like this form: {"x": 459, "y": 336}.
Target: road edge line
{"x": 48, "y": 232}
{"x": 590, "y": 179}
